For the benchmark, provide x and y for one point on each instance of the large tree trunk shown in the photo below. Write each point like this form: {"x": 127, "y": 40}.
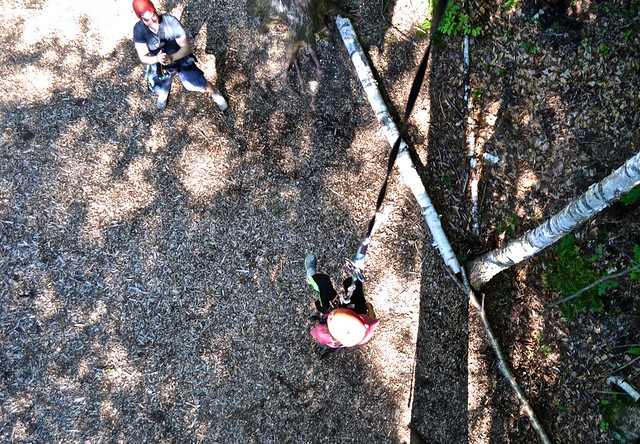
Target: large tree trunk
{"x": 597, "y": 197}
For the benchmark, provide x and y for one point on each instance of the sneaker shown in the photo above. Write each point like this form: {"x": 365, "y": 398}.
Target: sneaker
{"x": 162, "y": 101}
{"x": 310, "y": 264}
{"x": 220, "y": 101}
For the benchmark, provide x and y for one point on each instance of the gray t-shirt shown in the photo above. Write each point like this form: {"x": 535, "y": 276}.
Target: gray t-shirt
{"x": 170, "y": 30}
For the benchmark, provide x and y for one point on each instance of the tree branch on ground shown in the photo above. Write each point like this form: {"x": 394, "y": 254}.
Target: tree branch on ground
{"x": 624, "y": 385}
{"x": 471, "y": 145}
{"x": 596, "y": 283}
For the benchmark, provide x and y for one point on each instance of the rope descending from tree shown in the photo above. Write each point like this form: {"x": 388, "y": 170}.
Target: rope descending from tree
{"x": 355, "y": 264}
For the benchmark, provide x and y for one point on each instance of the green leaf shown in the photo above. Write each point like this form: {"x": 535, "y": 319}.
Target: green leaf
{"x": 634, "y": 351}
{"x": 606, "y": 286}
{"x": 508, "y": 5}
{"x": 632, "y": 195}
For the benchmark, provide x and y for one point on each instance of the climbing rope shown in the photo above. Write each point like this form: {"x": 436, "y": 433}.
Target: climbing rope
{"x": 355, "y": 264}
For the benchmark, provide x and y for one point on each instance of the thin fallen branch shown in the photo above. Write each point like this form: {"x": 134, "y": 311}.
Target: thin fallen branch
{"x": 506, "y": 371}
{"x": 471, "y": 144}
{"x": 590, "y": 286}
{"x": 411, "y": 177}
{"x": 633, "y": 361}
{"x": 624, "y": 385}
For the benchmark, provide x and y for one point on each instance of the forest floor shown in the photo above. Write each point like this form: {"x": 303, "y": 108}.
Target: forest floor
{"x": 152, "y": 263}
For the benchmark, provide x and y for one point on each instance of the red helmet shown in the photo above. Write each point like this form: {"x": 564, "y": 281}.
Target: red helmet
{"x": 142, "y": 6}
{"x": 346, "y": 327}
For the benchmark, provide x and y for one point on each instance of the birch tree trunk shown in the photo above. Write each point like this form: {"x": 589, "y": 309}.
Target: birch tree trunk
{"x": 403, "y": 161}
{"x": 594, "y": 200}
{"x": 412, "y": 178}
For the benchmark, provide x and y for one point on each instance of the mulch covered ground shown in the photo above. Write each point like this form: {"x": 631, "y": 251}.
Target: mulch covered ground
{"x": 152, "y": 263}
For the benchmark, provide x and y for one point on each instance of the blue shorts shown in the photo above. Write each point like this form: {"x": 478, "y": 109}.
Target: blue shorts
{"x": 191, "y": 76}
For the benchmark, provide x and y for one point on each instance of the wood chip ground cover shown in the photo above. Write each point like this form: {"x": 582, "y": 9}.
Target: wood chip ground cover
{"x": 151, "y": 264}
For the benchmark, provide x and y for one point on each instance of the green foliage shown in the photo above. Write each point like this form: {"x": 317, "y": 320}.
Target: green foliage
{"x": 635, "y": 275}
{"x": 454, "y": 22}
{"x": 632, "y": 195}
{"x": 604, "y": 49}
{"x": 508, "y": 226}
{"x": 545, "y": 349}
{"x": 610, "y": 411}
{"x": 571, "y": 272}
{"x": 508, "y": 5}
{"x": 634, "y": 351}
{"x": 628, "y": 35}
{"x": 556, "y": 27}
{"x": 529, "y": 47}
{"x": 605, "y": 286}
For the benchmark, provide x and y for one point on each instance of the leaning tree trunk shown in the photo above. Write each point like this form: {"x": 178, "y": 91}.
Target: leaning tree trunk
{"x": 403, "y": 161}
{"x": 597, "y": 197}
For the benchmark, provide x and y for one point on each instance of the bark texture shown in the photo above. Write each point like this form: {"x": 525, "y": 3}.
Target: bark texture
{"x": 594, "y": 200}
{"x": 403, "y": 161}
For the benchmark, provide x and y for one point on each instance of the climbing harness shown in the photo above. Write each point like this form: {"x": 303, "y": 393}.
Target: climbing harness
{"x": 161, "y": 75}
{"x": 355, "y": 264}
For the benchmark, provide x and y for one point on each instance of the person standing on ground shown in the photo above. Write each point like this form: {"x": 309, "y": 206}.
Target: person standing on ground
{"x": 162, "y": 44}
{"x": 340, "y": 324}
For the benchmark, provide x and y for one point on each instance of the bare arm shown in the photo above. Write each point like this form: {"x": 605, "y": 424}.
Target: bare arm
{"x": 143, "y": 54}
{"x": 185, "y": 50}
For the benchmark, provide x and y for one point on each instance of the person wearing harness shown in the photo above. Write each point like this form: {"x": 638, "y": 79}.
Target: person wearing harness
{"x": 341, "y": 324}
{"x": 162, "y": 44}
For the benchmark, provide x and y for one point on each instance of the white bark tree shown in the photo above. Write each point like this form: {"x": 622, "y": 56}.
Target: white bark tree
{"x": 403, "y": 161}
{"x": 594, "y": 200}
{"x": 412, "y": 179}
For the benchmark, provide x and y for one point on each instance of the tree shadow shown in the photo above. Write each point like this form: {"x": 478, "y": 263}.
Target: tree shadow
{"x": 130, "y": 322}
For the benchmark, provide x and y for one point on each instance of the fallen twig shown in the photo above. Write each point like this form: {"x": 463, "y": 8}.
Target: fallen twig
{"x": 471, "y": 145}
{"x": 590, "y": 286}
{"x": 624, "y": 385}
{"x": 627, "y": 364}
{"x": 504, "y": 368}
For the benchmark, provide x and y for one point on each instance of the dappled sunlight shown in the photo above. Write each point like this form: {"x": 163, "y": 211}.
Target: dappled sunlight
{"x": 528, "y": 206}
{"x": 7, "y": 196}
{"x": 108, "y": 412}
{"x": 107, "y": 23}
{"x": 123, "y": 199}
{"x": 527, "y": 183}
{"x": 48, "y": 303}
{"x": 32, "y": 85}
{"x": 479, "y": 383}
{"x": 416, "y": 11}
{"x": 398, "y": 327}
{"x": 490, "y": 117}
{"x": 99, "y": 311}
{"x": 204, "y": 171}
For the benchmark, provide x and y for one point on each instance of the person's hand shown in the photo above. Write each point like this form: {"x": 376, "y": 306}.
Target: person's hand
{"x": 164, "y": 58}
